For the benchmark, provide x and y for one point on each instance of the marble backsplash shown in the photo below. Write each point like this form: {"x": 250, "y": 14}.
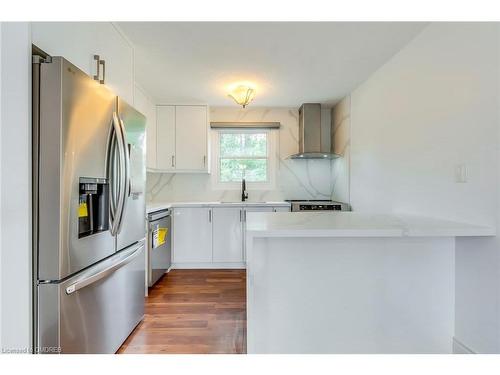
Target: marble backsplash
{"x": 295, "y": 179}
{"x": 341, "y": 137}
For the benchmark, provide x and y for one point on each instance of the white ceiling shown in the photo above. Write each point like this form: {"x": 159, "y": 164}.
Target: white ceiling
{"x": 290, "y": 63}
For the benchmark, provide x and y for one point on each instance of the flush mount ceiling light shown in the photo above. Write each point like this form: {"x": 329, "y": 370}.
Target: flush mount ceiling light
{"x": 242, "y": 95}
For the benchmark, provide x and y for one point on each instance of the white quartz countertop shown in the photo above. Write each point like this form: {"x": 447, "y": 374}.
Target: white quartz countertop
{"x": 355, "y": 224}
{"x": 157, "y": 206}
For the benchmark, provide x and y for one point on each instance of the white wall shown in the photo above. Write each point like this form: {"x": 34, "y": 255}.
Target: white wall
{"x": 478, "y": 280}
{"x": 144, "y": 104}
{"x": 477, "y": 295}
{"x": 0, "y": 184}
{"x": 15, "y": 156}
{"x": 431, "y": 108}
{"x": 341, "y": 138}
{"x": 295, "y": 179}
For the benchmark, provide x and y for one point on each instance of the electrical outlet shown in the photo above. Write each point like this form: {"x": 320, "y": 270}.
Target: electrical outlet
{"x": 461, "y": 174}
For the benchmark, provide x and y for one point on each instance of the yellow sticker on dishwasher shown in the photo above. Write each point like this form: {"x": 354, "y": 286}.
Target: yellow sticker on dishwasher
{"x": 159, "y": 237}
{"x": 162, "y": 235}
{"x": 82, "y": 210}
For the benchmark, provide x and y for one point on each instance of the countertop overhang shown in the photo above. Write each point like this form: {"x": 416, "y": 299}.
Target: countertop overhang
{"x": 355, "y": 224}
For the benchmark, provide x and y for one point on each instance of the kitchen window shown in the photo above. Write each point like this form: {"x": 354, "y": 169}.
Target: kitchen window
{"x": 244, "y": 154}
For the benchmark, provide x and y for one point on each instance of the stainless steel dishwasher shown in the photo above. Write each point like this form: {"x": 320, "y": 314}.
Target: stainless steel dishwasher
{"x": 159, "y": 244}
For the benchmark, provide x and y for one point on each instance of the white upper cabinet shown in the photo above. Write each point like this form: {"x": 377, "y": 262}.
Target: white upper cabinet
{"x": 191, "y": 128}
{"x": 182, "y": 139}
{"x": 165, "y": 138}
{"x": 78, "y": 42}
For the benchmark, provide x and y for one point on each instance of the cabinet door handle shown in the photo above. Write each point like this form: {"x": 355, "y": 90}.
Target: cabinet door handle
{"x": 210, "y": 215}
{"x": 103, "y": 63}
{"x": 100, "y": 63}
{"x": 173, "y": 161}
{"x": 204, "y": 160}
{"x": 241, "y": 211}
{"x": 97, "y": 76}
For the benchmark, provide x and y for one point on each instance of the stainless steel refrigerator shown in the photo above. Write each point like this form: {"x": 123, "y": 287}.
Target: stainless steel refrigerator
{"x": 89, "y": 212}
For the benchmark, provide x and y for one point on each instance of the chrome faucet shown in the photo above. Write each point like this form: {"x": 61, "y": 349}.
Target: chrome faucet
{"x": 244, "y": 193}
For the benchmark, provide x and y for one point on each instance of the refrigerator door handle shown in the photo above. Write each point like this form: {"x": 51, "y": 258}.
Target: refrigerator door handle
{"x": 111, "y": 175}
{"x": 99, "y": 275}
{"x": 125, "y": 188}
{"x": 116, "y": 176}
{"x": 122, "y": 171}
{"x": 127, "y": 160}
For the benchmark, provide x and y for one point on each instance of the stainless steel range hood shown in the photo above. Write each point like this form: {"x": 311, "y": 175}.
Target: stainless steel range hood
{"x": 310, "y": 134}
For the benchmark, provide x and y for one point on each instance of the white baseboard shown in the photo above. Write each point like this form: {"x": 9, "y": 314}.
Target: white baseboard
{"x": 460, "y": 348}
{"x": 221, "y": 265}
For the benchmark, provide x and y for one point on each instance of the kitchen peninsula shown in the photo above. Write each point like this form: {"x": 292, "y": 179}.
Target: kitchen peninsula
{"x": 351, "y": 282}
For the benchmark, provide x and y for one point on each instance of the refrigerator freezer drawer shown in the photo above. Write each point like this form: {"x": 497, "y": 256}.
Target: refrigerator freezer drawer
{"x": 96, "y": 310}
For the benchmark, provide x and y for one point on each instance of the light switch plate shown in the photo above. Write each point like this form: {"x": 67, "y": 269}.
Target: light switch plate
{"x": 461, "y": 174}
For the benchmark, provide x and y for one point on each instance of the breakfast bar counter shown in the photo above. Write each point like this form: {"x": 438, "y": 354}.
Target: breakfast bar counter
{"x": 350, "y": 282}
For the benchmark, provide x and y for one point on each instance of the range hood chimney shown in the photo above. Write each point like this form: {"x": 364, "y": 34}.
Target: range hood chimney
{"x": 310, "y": 134}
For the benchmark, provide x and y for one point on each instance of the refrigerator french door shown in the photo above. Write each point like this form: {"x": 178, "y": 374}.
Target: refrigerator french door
{"x": 133, "y": 222}
{"x": 88, "y": 185}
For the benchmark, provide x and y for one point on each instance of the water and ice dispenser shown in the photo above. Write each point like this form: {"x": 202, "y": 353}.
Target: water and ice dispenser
{"x": 93, "y": 211}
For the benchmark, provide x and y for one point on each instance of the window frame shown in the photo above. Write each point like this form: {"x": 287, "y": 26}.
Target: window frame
{"x": 271, "y": 160}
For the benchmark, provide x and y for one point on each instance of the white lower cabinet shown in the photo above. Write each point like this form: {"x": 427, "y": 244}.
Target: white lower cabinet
{"x": 212, "y": 237}
{"x": 192, "y": 240}
{"x": 281, "y": 209}
{"x": 227, "y": 234}
{"x": 259, "y": 209}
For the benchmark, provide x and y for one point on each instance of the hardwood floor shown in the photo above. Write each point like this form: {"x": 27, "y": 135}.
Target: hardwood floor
{"x": 193, "y": 311}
